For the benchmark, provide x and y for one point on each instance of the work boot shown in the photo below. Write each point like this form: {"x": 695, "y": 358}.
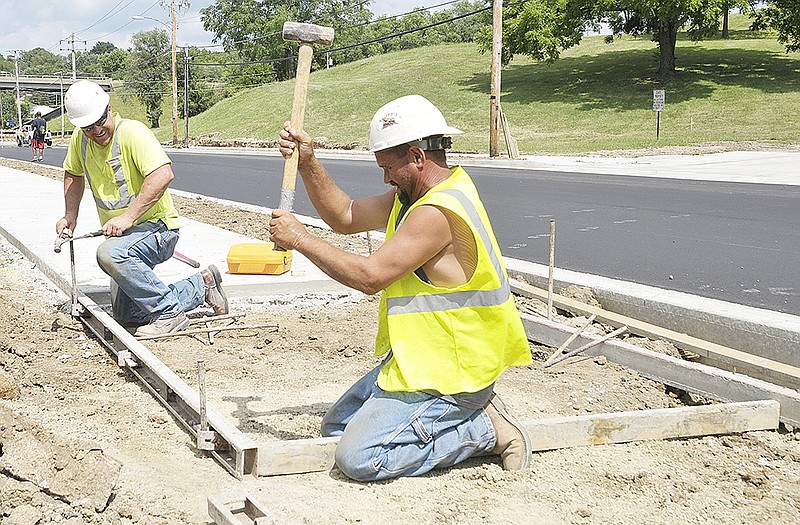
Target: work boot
{"x": 513, "y": 444}
{"x": 215, "y": 296}
{"x": 163, "y": 326}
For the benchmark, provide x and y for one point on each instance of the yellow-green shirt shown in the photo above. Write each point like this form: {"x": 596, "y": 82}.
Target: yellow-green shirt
{"x": 117, "y": 170}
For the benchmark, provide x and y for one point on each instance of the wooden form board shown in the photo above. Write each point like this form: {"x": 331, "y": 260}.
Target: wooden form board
{"x": 239, "y": 509}
{"x": 709, "y": 353}
{"x": 642, "y": 425}
{"x": 310, "y": 455}
{"x": 698, "y": 378}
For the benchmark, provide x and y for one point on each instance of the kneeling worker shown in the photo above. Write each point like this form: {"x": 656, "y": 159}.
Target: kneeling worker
{"x": 128, "y": 173}
{"x": 448, "y": 326}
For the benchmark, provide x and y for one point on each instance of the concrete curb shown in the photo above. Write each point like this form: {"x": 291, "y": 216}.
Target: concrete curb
{"x": 769, "y": 334}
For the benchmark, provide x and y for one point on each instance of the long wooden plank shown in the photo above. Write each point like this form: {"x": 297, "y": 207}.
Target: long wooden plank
{"x": 641, "y": 425}
{"x": 708, "y": 381}
{"x": 708, "y": 352}
{"x": 312, "y": 455}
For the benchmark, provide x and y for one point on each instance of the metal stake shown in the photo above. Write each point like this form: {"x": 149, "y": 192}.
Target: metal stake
{"x": 205, "y": 437}
{"x": 550, "y": 274}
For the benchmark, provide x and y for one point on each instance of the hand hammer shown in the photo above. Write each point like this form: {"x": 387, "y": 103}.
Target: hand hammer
{"x": 61, "y": 240}
{"x": 307, "y": 35}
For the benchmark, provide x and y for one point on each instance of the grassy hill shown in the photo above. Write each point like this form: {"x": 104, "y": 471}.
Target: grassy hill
{"x": 596, "y": 97}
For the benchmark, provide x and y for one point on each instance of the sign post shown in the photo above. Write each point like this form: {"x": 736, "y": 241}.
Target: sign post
{"x": 658, "y": 107}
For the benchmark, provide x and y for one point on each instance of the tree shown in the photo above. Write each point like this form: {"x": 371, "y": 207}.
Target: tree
{"x": 253, "y": 28}
{"x": 784, "y": 17}
{"x": 149, "y": 72}
{"x": 101, "y": 48}
{"x": 8, "y": 108}
{"x": 104, "y": 59}
{"x": 112, "y": 63}
{"x": 544, "y": 28}
{"x": 39, "y": 61}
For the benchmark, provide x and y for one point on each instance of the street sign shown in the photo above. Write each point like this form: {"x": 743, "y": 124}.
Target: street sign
{"x": 658, "y": 100}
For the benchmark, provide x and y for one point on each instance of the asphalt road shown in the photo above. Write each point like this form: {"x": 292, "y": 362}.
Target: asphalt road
{"x": 737, "y": 242}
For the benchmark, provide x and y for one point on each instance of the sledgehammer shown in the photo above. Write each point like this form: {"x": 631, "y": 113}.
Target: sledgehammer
{"x": 308, "y": 35}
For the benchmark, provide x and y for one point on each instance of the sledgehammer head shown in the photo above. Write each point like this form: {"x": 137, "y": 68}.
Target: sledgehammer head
{"x": 307, "y": 33}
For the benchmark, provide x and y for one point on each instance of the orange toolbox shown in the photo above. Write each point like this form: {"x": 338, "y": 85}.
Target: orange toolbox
{"x": 258, "y": 258}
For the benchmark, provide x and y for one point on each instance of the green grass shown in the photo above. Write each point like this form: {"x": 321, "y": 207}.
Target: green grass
{"x": 596, "y": 97}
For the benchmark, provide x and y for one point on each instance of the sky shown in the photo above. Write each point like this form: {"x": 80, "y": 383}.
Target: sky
{"x": 49, "y": 24}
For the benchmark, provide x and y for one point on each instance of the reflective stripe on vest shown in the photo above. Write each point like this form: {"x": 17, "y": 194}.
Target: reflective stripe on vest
{"x": 125, "y": 199}
{"x": 464, "y": 299}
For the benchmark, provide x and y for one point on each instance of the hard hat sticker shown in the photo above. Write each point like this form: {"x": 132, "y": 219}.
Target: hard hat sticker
{"x": 388, "y": 120}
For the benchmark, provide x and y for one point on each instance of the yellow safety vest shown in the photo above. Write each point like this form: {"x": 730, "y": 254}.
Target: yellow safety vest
{"x": 116, "y": 172}
{"x": 451, "y": 340}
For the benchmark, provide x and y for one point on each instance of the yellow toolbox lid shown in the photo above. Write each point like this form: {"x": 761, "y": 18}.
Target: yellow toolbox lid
{"x": 258, "y": 258}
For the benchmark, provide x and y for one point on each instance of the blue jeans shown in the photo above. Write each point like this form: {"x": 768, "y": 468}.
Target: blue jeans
{"x": 138, "y": 296}
{"x": 390, "y": 434}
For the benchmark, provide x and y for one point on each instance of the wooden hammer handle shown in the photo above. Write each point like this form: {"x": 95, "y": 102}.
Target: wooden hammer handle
{"x": 304, "y": 56}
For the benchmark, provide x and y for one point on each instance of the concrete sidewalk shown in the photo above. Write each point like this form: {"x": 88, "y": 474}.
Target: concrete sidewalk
{"x": 31, "y": 204}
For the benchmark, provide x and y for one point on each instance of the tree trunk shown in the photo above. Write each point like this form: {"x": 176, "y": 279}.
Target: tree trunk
{"x": 725, "y": 31}
{"x": 667, "y": 38}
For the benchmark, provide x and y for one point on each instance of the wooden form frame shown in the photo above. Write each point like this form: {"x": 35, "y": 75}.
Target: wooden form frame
{"x": 237, "y": 453}
{"x": 239, "y": 509}
{"x": 698, "y": 378}
{"x": 708, "y": 353}
{"x": 311, "y": 455}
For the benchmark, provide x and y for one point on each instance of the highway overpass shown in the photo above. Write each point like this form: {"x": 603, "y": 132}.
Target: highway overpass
{"x": 46, "y": 84}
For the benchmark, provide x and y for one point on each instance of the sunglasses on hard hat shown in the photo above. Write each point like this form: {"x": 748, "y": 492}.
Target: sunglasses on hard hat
{"x": 100, "y": 122}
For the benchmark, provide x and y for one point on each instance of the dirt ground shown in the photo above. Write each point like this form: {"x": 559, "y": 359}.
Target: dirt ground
{"x": 82, "y": 442}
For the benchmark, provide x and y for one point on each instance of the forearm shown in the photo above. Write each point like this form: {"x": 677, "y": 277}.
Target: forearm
{"x": 73, "y": 193}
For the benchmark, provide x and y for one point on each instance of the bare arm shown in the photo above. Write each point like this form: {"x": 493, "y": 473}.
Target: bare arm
{"x": 334, "y": 206}
{"x": 73, "y": 193}
{"x": 424, "y": 234}
{"x": 153, "y": 188}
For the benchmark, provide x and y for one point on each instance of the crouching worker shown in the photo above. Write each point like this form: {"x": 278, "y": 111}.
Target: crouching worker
{"x": 448, "y": 326}
{"x": 128, "y": 173}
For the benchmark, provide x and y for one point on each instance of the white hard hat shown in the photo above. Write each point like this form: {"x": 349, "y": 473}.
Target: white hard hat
{"x": 407, "y": 119}
{"x": 85, "y": 102}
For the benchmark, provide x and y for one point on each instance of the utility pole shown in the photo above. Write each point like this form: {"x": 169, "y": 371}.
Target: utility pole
{"x": 16, "y": 80}
{"x": 494, "y": 95}
{"x": 63, "y": 109}
{"x": 186, "y": 59}
{"x": 70, "y": 40}
{"x": 173, "y": 7}
{"x": 174, "y": 74}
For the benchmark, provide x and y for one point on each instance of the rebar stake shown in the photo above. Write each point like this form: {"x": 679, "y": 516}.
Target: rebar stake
{"x": 550, "y": 273}
{"x": 205, "y": 437}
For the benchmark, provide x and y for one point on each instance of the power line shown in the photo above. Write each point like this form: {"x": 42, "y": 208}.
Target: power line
{"x": 343, "y": 48}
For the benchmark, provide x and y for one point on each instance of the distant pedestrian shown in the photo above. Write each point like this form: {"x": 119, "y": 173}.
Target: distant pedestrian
{"x": 39, "y": 128}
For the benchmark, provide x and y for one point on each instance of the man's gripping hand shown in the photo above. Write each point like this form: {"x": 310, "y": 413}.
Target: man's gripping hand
{"x": 285, "y": 230}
